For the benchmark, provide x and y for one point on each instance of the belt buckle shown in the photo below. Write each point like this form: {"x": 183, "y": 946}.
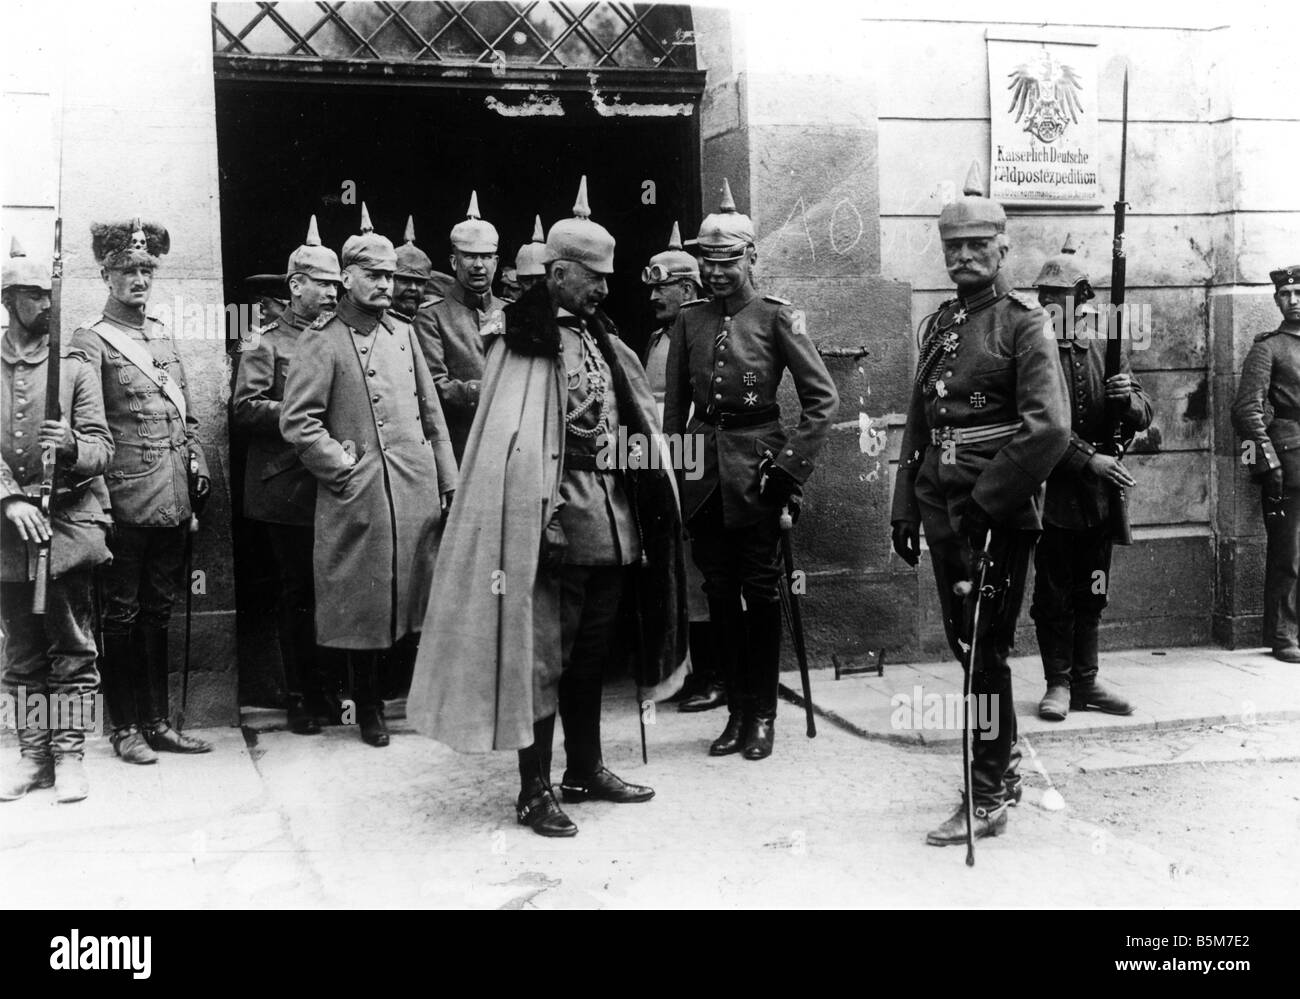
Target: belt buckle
{"x": 942, "y": 435}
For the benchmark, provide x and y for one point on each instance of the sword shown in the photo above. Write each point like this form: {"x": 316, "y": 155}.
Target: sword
{"x": 794, "y": 617}
{"x": 189, "y": 617}
{"x": 962, "y": 588}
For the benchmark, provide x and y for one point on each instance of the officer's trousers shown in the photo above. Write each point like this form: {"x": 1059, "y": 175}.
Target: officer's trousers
{"x": 49, "y": 660}
{"x": 1281, "y": 572}
{"x": 995, "y": 755}
{"x": 305, "y": 670}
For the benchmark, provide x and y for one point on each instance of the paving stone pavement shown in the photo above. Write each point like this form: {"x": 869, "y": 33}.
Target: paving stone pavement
{"x": 328, "y": 822}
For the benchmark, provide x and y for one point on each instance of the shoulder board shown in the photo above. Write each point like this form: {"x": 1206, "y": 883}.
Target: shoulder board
{"x": 321, "y": 321}
{"x": 1021, "y": 298}
{"x": 265, "y": 327}
{"x": 431, "y": 301}
{"x": 1264, "y": 336}
{"x": 696, "y": 301}
{"x": 776, "y": 300}
{"x": 70, "y": 349}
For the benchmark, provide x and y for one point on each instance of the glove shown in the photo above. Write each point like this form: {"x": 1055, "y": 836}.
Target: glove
{"x": 200, "y": 487}
{"x": 907, "y": 541}
{"x": 1275, "y": 494}
{"x": 975, "y": 526}
{"x": 775, "y": 485}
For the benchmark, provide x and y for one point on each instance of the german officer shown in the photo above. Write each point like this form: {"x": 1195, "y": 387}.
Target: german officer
{"x": 156, "y": 480}
{"x": 361, "y": 411}
{"x": 1270, "y": 377}
{"x": 989, "y": 419}
{"x": 48, "y": 658}
{"x": 673, "y": 277}
{"x": 413, "y": 274}
{"x": 278, "y": 491}
{"x": 530, "y": 266}
{"x": 1076, "y": 541}
{"x": 726, "y": 359}
{"x": 451, "y": 328}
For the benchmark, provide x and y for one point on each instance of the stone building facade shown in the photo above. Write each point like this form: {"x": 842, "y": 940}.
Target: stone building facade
{"x": 841, "y": 135}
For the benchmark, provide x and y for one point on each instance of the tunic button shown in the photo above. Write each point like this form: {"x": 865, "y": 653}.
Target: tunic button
{"x": 718, "y": 379}
{"x": 19, "y": 416}
{"x": 948, "y": 373}
{"x": 722, "y": 364}
{"x": 374, "y": 398}
{"x": 371, "y": 372}
{"x": 379, "y": 423}
{"x": 718, "y": 395}
{"x": 21, "y": 450}
{"x": 943, "y": 410}
{"x": 790, "y": 453}
{"x": 18, "y": 433}
{"x": 722, "y": 346}
{"x": 364, "y": 349}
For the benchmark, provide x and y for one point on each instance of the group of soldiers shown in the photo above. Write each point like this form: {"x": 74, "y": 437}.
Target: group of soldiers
{"x": 426, "y": 459}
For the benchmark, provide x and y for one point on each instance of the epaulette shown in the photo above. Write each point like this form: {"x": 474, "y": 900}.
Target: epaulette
{"x": 776, "y": 300}
{"x": 696, "y": 301}
{"x": 264, "y": 328}
{"x": 321, "y": 321}
{"x": 1264, "y": 336}
{"x": 154, "y": 319}
{"x": 1020, "y": 298}
{"x": 69, "y": 349}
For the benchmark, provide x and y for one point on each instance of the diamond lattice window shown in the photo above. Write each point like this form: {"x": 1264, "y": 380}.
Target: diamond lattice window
{"x": 537, "y": 35}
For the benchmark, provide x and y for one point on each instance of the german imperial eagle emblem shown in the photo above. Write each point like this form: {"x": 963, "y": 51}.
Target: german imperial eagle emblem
{"x": 1045, "y": 96}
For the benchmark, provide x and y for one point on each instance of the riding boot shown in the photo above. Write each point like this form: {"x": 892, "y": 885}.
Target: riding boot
{"x": 763, "y": 669}
{"x": 121, "y": 670}
{"x": 1085, "y": 692}
{"x": 370, "y": 706}
{"x": 293, "y": 654}
{"x": 728, "y": 645}
{"x": 1056, "y": 645}
{"x": 158, "y": 730}
{"x": 709, "y": 691}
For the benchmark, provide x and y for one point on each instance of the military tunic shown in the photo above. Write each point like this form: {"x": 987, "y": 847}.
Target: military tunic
{"x": 53, "y": 653}
{"x": 727, "y": 357}
{"x": 359, "y": 383}
{"x": 451, "y": 332}
{"x": 988, "y": 420}
{"x": 1270, "y": 380}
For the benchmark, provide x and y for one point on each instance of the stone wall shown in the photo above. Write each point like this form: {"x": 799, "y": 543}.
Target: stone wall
{"x": 822, "y": 122}
{"x": 136, "y": 136}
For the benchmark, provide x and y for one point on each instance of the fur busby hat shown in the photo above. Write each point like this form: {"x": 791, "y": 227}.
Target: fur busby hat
{"x": 118, "y": 245}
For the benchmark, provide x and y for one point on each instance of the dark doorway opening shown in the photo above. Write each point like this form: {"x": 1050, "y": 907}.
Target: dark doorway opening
{"x": 288, "y": 149}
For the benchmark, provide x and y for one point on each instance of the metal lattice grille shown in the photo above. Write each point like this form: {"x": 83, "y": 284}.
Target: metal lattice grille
{"x": 545, "y": 35}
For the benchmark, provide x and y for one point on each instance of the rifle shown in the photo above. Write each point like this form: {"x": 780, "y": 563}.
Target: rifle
{"x": 1121, "y": 530}
{"x": 52, "y": 412}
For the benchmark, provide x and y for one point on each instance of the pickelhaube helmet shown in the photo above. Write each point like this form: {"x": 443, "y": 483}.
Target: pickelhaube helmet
{"x": 21, "y": 271}
{"x": 474, "y": 235}
{"x": 727, "y": 234}
{"x": 580, "y": 239}
{"x": 972, "y": 215}
{"x": 412, "y": 262}
{"x": 119, "y": 245}
{"x": 368, "y": 249}
{"x": 316, "y": 261}
{"x": 672, "y": 264}
{"x": 1063, "y": 270}
{"x": 529, "y": 261}
{"x": 1285, "y": 277}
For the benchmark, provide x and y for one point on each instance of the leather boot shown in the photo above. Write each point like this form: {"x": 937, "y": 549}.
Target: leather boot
{"x": 709, "y": 692}
{"x": 1011, "y": 780}
{"x": 129, "y": 744}
{"x": 28, "y": 775}
{"x": 157, "y": 728}
{"x": 1056, "y": 646}
{"x": 1086, "y": 694}
{"x": 370, "y": 707}
{"x": 293, "y": 652}
{"x": 70, "y": 781}
{"x": 988, "y": 820}
{"x": 162, "y": 737}
{"x": 728, "y": 644}
{"x": 536, "y": 806}
{"x": 117, "y": 679}
{"x": 763, "y": 667}
{"x": 151, "y": 694}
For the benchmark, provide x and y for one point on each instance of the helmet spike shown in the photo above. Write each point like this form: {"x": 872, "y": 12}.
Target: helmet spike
{"x": 974, "y": 183}
{"x": 16, "y": 248}
{"x": 582, "y": 210}
{"x": 675, "y": 240}
{"x": 728, "y": 203}
{"x": 409, "y": 236}
{"x": 365, "y": 220}
{"x": 539, "y": 236}
{"x": 1068, "y": 246}
{"x": 472, "y": 213}
{"x": 313, "y": 234}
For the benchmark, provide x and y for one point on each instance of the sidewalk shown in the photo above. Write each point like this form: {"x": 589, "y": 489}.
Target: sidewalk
{"x": 1169, "y": 689}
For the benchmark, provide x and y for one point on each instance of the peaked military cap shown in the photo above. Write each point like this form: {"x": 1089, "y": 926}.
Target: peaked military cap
{"x": 1285, "y": 277}
{"x": 368, "y": 249}
{"x": 580, "y": 239}
{"x": 316, "y": 261}
{"x": 21, "y": 271}
{"x": 972, "y": 215}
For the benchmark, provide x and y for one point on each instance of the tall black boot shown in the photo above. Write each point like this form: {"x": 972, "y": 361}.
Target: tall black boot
{"x": 1056, "y": 646}
{"x": 536, "y": 806}
{"x": 158, "y": 730}
{"x": 763, "y": 668}
{"x": 297, "y": 646}
{"x": 729, "y": 645}
{"x": 1086, "y": 694}
{"x": 370, "y": 706}
{"x": 120, "y": 667}
{"x": 709, "y": 690}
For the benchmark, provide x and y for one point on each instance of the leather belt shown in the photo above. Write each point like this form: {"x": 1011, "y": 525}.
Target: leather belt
{"x": 583, "y": 462}
{"x": 973, "y": 435}
{"x": 1286, "y": 413}
{"x": 748, "y": 418}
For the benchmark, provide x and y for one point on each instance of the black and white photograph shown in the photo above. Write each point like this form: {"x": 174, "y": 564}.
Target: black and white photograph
{"x": 596, "y": 455}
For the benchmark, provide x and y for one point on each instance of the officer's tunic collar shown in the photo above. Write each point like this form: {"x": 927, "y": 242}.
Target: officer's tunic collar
{"x": 987, "y": 295}
{"x": 738, "y": 299}
{"x": 124, "y": 315}
{"x": 295, "y": 319}
{"x": 14, "y": 351}
{"x": 470, "y": 299}
{"x": 362, "y": 320}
